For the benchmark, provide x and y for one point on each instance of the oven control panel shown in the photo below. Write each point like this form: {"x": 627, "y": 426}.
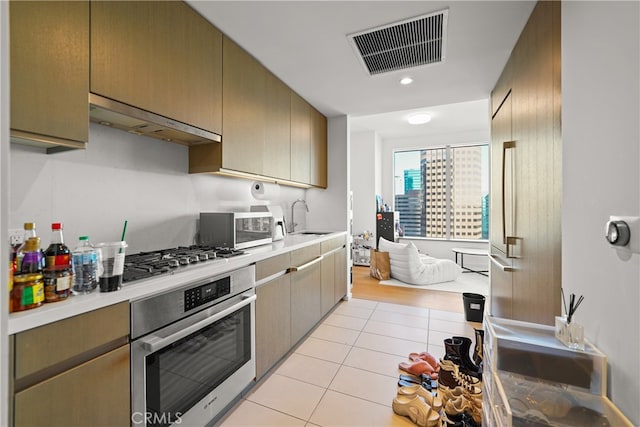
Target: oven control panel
{"x": 203, "y": 294}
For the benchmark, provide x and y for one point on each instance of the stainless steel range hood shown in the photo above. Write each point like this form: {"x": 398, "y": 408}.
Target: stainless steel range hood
{"x": 121, "y": 116}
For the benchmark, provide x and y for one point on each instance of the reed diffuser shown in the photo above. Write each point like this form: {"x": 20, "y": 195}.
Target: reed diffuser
{"x": 569, "y": 332}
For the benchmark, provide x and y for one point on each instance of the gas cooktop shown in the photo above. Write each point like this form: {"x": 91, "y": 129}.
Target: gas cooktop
{"x": 147, "y": 264}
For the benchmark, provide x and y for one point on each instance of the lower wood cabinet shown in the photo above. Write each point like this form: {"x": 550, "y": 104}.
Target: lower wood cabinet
{"x": 305, "y": 291}
{"x": 95, "y": 393}
{"x": 334, "y": 273}
{"x": 74, "y": 372}
{"x": 327, "y": 288}
{"x": 294, "y": 291}
{"x": 340, "y": 271}
{"x": 273, "y": 323}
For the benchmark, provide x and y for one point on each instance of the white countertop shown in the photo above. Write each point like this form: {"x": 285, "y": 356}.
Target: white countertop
{"x": 78, "y": 304}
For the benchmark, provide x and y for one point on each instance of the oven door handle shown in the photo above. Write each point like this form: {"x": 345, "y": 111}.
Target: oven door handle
{"x": 153, "y": 343}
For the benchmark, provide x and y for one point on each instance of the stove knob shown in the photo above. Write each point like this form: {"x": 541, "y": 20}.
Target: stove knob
{"x": 174, "y": 263}
{"x": 194, "y": 258}
{"x": 184, "y": 260}
{"x": 203, "y": 257}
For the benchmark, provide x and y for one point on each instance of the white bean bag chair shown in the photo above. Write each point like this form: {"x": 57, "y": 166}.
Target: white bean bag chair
{"x": 414, "y": 268}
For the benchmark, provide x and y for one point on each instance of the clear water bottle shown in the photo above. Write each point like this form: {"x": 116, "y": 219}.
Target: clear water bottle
{"x": 85, "y": 267}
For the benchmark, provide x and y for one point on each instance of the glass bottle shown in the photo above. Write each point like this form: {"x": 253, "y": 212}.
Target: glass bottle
{"x": 58, "y": 272}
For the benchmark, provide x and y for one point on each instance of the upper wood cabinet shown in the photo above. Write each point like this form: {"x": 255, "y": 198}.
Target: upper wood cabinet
{"x": 49, "y": 60}
{"x": 267, "y": 129}
{"x": 276, "y": 158}
{"x": 160, "y": 56}
{"x": 300, "y": 139}
{"x": 244, "y": 113}
{"x": 256, "y": 116}
{"x": 308, "y": 143}
{"x": 318, "y": 158}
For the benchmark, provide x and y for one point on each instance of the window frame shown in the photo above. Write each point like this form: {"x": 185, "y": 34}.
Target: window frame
{"x": 448, "y": 173}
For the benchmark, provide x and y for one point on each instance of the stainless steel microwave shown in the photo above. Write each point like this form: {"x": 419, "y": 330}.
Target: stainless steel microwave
{"x": 236, "y": 230}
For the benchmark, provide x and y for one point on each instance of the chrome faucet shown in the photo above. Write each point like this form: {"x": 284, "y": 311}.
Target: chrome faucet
{"x": 293, "y": 223}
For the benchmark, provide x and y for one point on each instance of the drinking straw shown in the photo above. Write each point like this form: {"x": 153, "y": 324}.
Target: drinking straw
{"x": 124, "y": 231}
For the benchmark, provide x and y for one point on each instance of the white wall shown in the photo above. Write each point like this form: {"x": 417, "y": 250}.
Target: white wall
{"x": 601, "y": 152}
{"x": 328, "y": 208}
{"x": 122, "y": 176}
{"x": 364, "y": 175}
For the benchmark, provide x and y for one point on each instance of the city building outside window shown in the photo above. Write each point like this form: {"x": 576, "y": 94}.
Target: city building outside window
{"x": 443, "y": 193}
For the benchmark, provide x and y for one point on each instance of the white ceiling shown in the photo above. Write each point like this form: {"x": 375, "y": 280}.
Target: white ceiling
{"x": 305, "y": 44}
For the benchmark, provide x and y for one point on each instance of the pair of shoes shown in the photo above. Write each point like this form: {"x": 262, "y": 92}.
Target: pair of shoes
{"x": 452, "y": 383}
{"x": 478, "y": 353}
{"x": 424, "y": 380}
{"x": 460, "y": 406}
{"x": 427, "y": 357}
{"x": 462, "y": 420}
{"x": 417, "y": 390}
{"x": 417, "y": 410}
{"x": 419, "y": 367}
{"x": 457, "y": 351}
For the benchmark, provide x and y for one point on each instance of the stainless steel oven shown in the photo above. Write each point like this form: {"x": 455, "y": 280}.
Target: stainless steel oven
{"x": 192, "y": 350}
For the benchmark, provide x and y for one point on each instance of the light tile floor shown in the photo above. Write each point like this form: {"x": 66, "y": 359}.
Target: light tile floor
{"x": 345, "y": 372}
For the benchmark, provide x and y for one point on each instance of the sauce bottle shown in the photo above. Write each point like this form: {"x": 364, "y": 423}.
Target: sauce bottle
{"x": 58, "y": 272}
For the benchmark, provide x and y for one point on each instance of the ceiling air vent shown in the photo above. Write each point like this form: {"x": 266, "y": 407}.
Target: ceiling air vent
{"x": 405, "y": 44}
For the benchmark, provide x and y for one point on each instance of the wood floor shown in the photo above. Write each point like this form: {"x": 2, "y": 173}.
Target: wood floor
{"x": 366, "y": 287}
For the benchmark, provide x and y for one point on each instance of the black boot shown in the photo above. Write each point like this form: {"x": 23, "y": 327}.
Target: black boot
{"x": 457, "y": 350}
{"x": 477, "y": 351}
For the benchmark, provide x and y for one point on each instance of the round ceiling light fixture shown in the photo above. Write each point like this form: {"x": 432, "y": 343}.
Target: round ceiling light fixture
{"x": 406, "y": 81}
{"x": 419, "y": 118}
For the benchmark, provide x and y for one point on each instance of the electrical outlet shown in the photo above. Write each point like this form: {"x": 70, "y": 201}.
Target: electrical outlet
{"x": 16, "y": 236}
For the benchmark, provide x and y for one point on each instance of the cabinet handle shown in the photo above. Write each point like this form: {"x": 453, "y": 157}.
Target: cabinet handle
{"x": 505, "y": 146}
{"x": 507, "y": 240}
{"x": 153, "y": 343}
{"x": 495, "y": 261}
{"x": 308, "y": 264}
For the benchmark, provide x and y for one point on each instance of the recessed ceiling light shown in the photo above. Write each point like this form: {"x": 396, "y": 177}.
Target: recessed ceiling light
{"x": 419, "y": 118}
{"x": 406, "y": 81}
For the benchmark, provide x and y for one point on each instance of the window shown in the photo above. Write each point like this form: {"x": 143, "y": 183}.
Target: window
{"x": 443, "y": 192}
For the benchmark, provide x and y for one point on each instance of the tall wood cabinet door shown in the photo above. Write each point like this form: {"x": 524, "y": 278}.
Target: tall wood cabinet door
{"x": 49, "y": 56}
{"x": 273, "y": 323}
{"x": 502, "y": 215}
{"x": 538, "y": 167}
{"x": 318, "y": 160}
{"x": 305, "y": 301}
{"x": 277, "y": 139}
{"x": 328, "y": 277}
{"x": 95, "y": 393}
{"x": 501, "y": 196}
{"x": 244, "y": 118}
{"x": 300, "y": 139}
{"x": 305, "y": 291}
{"x": 160, "y": 56}
{"x": 340, "y": 271}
